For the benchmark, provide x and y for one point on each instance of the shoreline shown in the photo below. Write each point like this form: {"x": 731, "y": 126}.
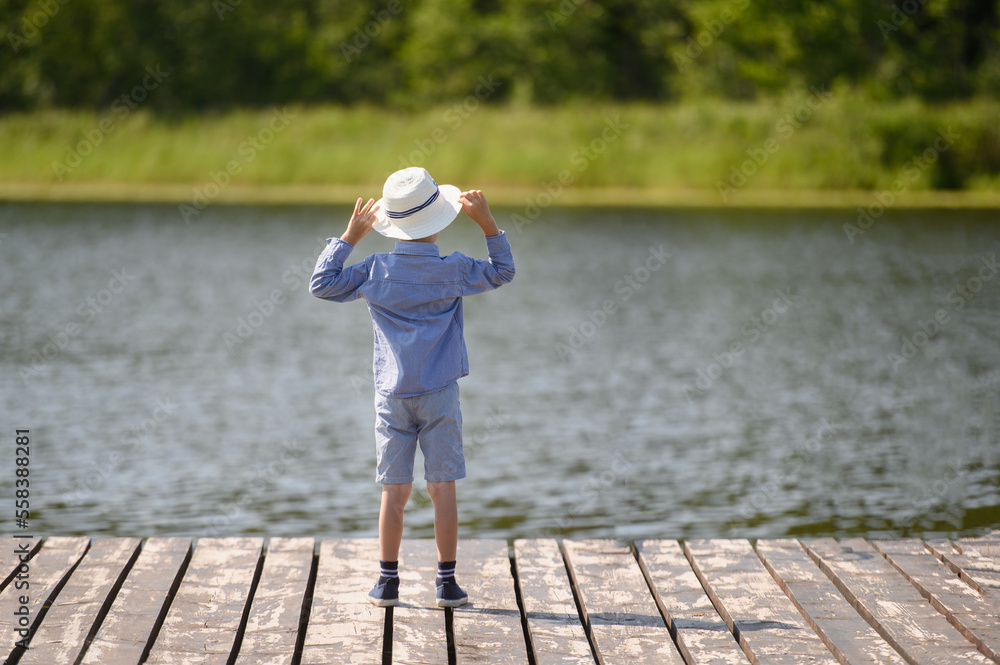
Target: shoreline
{"x": 499, "y": 195}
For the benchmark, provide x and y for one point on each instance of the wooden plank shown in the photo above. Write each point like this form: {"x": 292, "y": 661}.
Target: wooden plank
{"x": 939, "y": 544}
{"x": 980, "y": 573}
{"x": 987, "y": 559}
{"x": 487, "y": 629}
{"x": 46, "y": 571}
{"x": 985, "y": 546}
{"x": 275, "y": 615}
{"x": 974, "y": 615}
{"x": 11, "y": 557}
{"x": 890, "y": 605}
{"x": 418, "y": 630}
{"x": 834, "y": 619}
{"x": 132, "y": 622}
{"x": 555, "y": 631}
{"x": 206, "y": 613}
{"x": 624, "y": 621}
{"x": 343, "y": 626}
{"x": 767, "y": 626}
{"x": 700, "y": 632}
{"x": 82, "y": 602}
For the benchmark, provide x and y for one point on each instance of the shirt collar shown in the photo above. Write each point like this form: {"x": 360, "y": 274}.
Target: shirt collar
{"x": 417, "y": 248}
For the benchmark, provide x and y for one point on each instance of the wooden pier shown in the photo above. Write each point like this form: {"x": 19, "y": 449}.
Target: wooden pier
{"x": 297, "y": 601}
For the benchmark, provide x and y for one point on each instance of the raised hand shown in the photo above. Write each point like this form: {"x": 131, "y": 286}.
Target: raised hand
{"x": 475, "y": 207}
{"x": 361, "y": 222}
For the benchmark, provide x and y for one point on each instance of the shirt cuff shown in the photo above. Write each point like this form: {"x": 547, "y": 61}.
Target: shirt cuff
{"x": 497, "y": 241}
{"x": 336, "y": 245}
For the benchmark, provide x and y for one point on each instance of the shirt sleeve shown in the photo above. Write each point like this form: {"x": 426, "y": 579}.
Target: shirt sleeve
{"x": 331, "y": 280}
{"x": 494, "y": 273}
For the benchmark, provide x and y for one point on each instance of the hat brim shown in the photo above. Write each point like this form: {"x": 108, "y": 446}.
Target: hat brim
{"x": 436, "y": 216}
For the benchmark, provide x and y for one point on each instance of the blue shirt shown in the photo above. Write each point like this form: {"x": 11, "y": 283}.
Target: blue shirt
{"x": 414, "y": 296}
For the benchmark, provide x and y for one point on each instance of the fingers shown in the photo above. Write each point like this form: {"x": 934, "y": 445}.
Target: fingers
{"x": 365, "y": 213}
{"x": 472, "y": 199}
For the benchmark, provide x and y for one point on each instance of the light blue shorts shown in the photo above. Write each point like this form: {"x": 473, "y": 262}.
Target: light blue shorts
{"x": 435, "y": 420}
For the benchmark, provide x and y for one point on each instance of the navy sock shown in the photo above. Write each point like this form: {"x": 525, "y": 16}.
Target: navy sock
{"x": 446, "y": 571}
{"x": 388, "y": 570}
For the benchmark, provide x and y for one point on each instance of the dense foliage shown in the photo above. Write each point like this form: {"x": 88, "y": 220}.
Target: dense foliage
{"x": 225, "y": 53}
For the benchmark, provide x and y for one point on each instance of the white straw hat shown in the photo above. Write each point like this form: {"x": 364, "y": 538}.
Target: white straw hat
{"x": 413, "y": 206}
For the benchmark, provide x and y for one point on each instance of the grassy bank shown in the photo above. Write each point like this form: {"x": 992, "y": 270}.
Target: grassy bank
{"x": 803, "y": 149}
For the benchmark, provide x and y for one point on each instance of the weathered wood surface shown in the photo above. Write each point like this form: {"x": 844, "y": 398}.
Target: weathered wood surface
{"x": 890, "y": 604}
{"x": 975, "y": 615}
{"x": 702, "y": 635}
{"x": 205, "y": 616}
{"x": 554, "y": 628}
{"x": 231, "y": 601}
{"x": 418, "y": 628}
{"x": 272, "y": 628}
{"x": 985, "y": 557}
{"x": 754, "y": 607}
{"x": 487, "y": 629}
{"x": 845, "y": 633}
{"x": 10, "y": 557}
{"x": 343, "y": 626}
{"x": 981, "y": 573}
{"x": 140, "y": 605}
{"x": 987, "y": 546}
{"x": 82, "y": 602}
{"x": 46, "y": 571}
{"x": 624, "y": 621}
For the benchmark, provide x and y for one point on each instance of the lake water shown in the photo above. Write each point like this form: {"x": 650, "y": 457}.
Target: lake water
{"x": 649, "y": 373}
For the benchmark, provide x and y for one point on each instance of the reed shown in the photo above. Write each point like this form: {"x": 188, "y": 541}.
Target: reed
{"x": 802, "y": 142}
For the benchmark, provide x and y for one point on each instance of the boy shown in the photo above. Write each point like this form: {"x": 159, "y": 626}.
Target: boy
{"x": 414, "y": 297}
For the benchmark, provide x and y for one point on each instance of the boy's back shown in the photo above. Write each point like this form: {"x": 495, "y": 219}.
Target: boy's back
{"x": 415, "y": 296}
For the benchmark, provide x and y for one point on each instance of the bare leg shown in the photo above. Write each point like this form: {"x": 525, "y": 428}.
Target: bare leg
{"x": 390, "y": 519}
{"x": 445, "y": 502}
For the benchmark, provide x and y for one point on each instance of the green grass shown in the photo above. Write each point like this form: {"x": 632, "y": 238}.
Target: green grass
{"x": 652, "y": 153}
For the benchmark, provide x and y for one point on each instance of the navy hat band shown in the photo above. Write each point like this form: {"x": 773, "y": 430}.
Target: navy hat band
{"x": 406, "y": 213}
